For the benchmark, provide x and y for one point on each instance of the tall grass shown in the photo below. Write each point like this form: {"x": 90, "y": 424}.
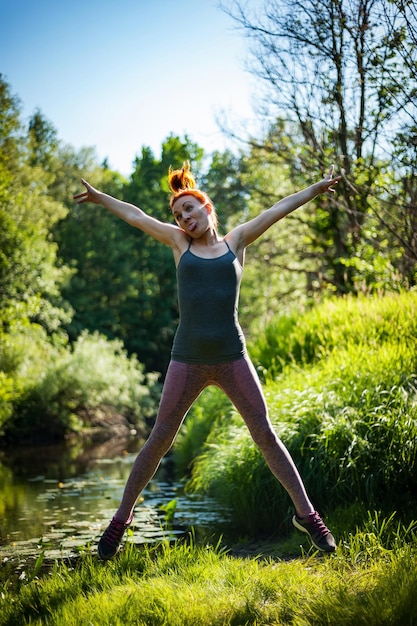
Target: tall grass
{"x": 371, "y": 580}
{"x": 358, "y": 321}
{"x": 348, "y": 418}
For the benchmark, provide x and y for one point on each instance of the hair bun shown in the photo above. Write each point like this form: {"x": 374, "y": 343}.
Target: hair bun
{"x": 182, "y": 179}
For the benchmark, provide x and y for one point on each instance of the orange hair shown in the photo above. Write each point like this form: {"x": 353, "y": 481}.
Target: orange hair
{"x": 182, "y": 183}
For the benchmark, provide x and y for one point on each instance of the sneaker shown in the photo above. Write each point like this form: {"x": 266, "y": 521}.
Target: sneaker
{"x": 111, "y": 538}
{"x": 319, "y": 534}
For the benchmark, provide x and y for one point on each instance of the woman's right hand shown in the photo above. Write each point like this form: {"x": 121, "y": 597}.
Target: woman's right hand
{"x": 90, "y": 195}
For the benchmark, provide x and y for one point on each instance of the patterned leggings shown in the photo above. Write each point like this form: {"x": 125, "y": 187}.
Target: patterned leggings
{"x": 183, "y": 384}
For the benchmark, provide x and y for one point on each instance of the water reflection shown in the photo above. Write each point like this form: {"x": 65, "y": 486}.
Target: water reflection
{"x": 60, "y": 498}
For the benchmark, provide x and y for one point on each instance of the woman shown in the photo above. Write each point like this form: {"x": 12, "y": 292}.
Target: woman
{"x": 209, "y": 346}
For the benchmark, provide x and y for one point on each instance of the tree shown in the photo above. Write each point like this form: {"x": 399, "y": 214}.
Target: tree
{"x": 225, "y": 184}
{"x": 11, "y": 132}
{"x": 337, "y": 87}
{"x": 30, "y": 276}
{"x": 42, "y": 141}
{"x": 401, "y": 19}
{"x": 125, "y": 282}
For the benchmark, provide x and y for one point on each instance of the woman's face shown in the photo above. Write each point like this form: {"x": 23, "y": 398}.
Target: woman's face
{"x": 191, "y": 215}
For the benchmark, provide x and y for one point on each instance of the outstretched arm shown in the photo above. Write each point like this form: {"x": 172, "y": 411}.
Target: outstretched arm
{"x": 164, "y": 232}
{"x": 247, "y": 233}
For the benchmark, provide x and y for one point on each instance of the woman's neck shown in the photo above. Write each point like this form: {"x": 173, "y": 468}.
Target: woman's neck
{"x": 208, "y": 239}
{"x": 208, "y": 250}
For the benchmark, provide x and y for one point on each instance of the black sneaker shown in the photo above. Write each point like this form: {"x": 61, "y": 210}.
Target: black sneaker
{"x": 111, "y": 538}
{"x": 319, "y": 534}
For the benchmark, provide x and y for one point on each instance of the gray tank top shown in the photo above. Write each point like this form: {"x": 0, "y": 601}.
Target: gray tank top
{"x": 208, "y": 294}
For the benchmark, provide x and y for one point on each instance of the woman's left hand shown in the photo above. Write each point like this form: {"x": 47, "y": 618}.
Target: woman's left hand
{"x": 329, "y": 181}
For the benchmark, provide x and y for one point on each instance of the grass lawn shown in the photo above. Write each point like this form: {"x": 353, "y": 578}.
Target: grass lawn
{"x": 370, "y": 580}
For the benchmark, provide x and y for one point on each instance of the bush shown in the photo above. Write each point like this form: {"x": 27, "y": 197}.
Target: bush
{"x": 7, "y": 396}
{"x": 25, "y": 352}
{"x": 353, "y": 428}
{"x": 59, "y": 385}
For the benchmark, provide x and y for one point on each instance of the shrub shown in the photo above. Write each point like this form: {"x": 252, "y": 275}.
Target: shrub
{"x": 7, "y": 396}
{"x": 95, "y": 373}
{"x": 25, "y": 352}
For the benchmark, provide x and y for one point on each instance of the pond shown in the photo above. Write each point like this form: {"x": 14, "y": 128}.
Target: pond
{"x": 59, "y": 499}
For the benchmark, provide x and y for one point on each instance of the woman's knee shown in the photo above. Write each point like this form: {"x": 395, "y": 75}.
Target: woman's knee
{"x": 264, "y": 436}
{"x": 160, "y": 440}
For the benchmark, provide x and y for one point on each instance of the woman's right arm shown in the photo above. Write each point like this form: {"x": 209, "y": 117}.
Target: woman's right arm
{"x": 163, "y": 232}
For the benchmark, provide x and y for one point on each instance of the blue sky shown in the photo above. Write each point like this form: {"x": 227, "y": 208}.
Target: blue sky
{"x": 119, "y": 75}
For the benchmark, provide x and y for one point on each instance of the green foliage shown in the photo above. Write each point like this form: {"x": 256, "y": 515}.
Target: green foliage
{"x": 346, "y": 411}
{"x": 226, "y": 185}
{"x": 370, "y": 580}
{"x": 306, "y": 337}
{"x": 25, "y": 353}
{"x": 30, "y": 275}
{"x": 352, "y": 425}
{"x": 7, "y": 397}
{"x": 43, "y": 143}
{"x": 275, "y": 265}
{"x": 59, "y": 392}
{"x": 125, "y": 281}
{"x": 11, "y": 135}
{"x": 46, "y": 385}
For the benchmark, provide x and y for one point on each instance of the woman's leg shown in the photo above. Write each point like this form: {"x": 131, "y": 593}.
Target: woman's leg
{"x": 183, "y": 384}
{"x": 241, "y": 383}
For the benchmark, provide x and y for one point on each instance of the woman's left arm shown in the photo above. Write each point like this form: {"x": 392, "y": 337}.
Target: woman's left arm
{"x": 247, "y": 233}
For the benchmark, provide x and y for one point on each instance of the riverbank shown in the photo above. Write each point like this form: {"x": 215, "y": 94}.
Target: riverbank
{"x": 56, "y": 501}
{"x": 370, "y": 580}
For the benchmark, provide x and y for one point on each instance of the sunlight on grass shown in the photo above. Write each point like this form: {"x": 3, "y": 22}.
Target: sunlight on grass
{"x": 363, "y": 583}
